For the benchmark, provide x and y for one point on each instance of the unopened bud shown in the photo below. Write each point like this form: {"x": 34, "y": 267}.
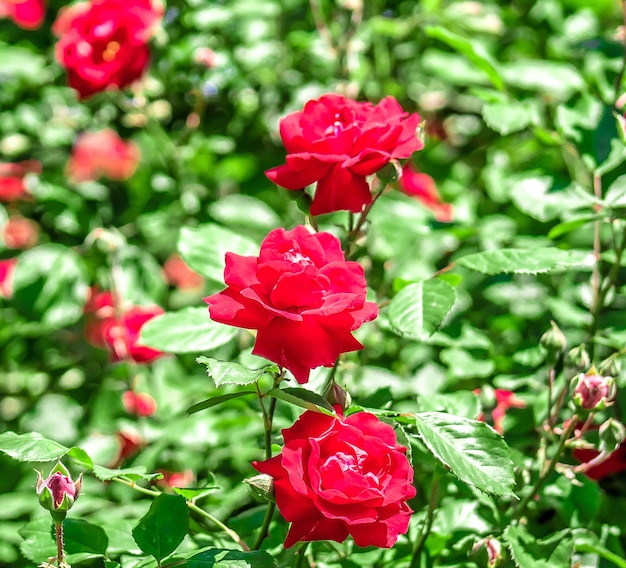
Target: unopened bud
{"x": 553, "y": 340}
{"x": 338, "y": 395}
{"x": 578, "y": 357}
{"x": 262, "y": 486}
{"x": 612, "y": 434}
{"x": 58, "y": 492}
{"x": 593, "y": 391}
{"x": 487, "y": 553}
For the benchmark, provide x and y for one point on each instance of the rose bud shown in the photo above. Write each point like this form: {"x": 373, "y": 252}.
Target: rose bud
{"x": 593, "y": 391}
{"x": 58, "y": 492}
{"x": 553, "y": 340}
{"x": 578, "y": 357}
{"x": 262, "y": 486}
{"x": 487, "y": 552}
{"x": 612, "y": 434}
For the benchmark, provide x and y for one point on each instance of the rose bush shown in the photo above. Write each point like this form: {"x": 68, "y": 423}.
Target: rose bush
{"x": 301, "y": 295}
{"x": 338, "y": 142}
{"x": 341, "y": 476}
{"x": 103, "y": 43}
{"x": 12, "y": 182}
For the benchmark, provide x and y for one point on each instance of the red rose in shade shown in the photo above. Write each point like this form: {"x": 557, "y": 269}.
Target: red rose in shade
{"x": 103, "y": 43}
{"x": 422, "y": 186}
{"x": 301, "y": 295}
{"x": 341, "y": 476}
{"x": 177, "y": 273}
{"x": 615, "y": 463}
{"x": 139, "y": 403}
{"x": 338, "y": 142}
{"x": 175, "y": 478}
{"x": 20, "y": 233}
{"x": 121, "y": 335}
{"x": 27, "y": 14}
{"x": 12, "y": 176}
{"x": 7, "y": 268}
{"x": 103, "y": 153}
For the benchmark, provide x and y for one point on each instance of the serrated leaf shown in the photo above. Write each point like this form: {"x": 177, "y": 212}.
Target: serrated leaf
{"x": 303, "y": 398}
{"x": 216, "y": 400}
{"x": 526, "y": 261}
{"x": 31, "y": 447}
{"x": 82, "y": 536}
{"x": 164, "y": 527}
{"x": 50, "y": 285}
{"x": 191, "y": 493}
{"x": 132, "y": 473}
{"x": 204, "y": 248}
{"x": 228, "y": 373}
{"x": 38, "y": 544}
{"x": 220, "y": 558}
{"x": 473, "y": 50}
{"x": 554, "y": 551}
{"x": 81, "y": 458}
{"x": 419, "y": 308}
{"x": 472, "y": 450}
{"x": 507, "y": 117}
{"x": 571, "y": 225}
{"x": 189, "y": 330}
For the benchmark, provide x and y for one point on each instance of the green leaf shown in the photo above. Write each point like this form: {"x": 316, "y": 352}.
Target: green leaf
{"x": 190, "y": 493}
{"x": 132, "y": 473}
{"x": 587, "y": 542}
{"x": 164, "y": 527}
{"x": 419, "y": 308}
{"x": 38, "y": 535}
{"x": 186, "y": 331}
{"x": 221, "y": 558}
{"x": 303, "y": 398}
{"x": 50, "y": 285}
{"x": 244, "y": 211}
{"x": 227, "y": 373}
{"x": 31, "y": 447}
{"x": 81, "y": 536}
{"x": 472, "y": 450}
{"x": 462, "y": 365}
{"x": 571, "y": 225}
{"x": 473, "y": 50}
{"x": 557, "y": 79}
{"x": 554, "y": 551}
{"x": 216, "y": 400}
{"x": 526, "y": 261}
{"x": 507, "y": 117}
{"x": 204, "y": 248}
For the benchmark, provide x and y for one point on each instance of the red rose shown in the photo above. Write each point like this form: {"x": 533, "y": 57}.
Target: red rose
{"x": 341, "y": 476}
{"x": 103, "y": 43}
{"x": 20, "y": 233}
{"x": 121, "y": 334}
{"x": 616, "y": 463}
{"x": 12, "y": 186}
{"x": 7, "y": 268}
{"x": 102, "y": 153}
{"x": 27, "y": 14}
{"x": 338, "y": 142}
{"x": 422, "y": 186}
{"x": 301, "y": 294}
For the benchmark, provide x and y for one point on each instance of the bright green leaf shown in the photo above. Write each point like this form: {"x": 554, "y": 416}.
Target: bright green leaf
{"x": 303, "y": 398}
{"x": 217, "y": 400}
{"x": 418, "y": 309}
{"x": 164, "y": 527}
{"x": 132, "y": 473}
{"x": 554, "y": 551}
{"x": 227, "y": 373}
{"x": 508, "y": 117}
{"x": 81, "y": 536}
{"x": 186, "y": 331}
{"x": 221, "y": 558}
{"x": 557, "y": 79}
{"x": 31, "y": 447}
{"x": 472, "y": 450}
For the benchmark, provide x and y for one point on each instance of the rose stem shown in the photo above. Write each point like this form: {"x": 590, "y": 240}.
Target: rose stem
{"x": 551, "y": 465}
{"x": 430, "y": 517}
{"x": 58, "y": 533}
{"x": 301, "y": 555}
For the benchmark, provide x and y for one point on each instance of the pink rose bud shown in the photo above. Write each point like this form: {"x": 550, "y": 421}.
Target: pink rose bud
{"x": 58, "y": 492}
{"x": 487, "y": 552}
{"x": 139, "y": 403}
{"x": 593, "y": 391}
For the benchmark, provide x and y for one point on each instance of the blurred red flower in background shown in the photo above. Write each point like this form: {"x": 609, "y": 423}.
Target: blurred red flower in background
{"x": 422, "y": 186}
{"x": 12, "y": 186}
{"x": 102, "y": 153}
{"x": 616, "y": 462}
{"x": 177, "y": 273}
{"x": 505, "y": 399}
{"x": 176, "y": 478}
{"x": 103, "y": 43}
{"x": 20, "y": 233}
{"x": 139, "y": 403}
{"x": 7, "y": 268}
{"x": 27, "y": 14}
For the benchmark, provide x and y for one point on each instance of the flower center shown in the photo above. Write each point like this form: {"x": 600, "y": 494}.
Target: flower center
{"x": 296, "y": 257}
{"x": 111, "y": 50}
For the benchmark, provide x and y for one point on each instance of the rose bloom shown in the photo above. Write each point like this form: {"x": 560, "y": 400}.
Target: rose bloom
{"x": 175, "y": 478}
{"x": 121, "y": 335}
{"x": 616, "y": 463}
{"x": 103, "y": 43}
{"x": 593, "y": 391}
{"x": 505, "y": 399}
{"x": 422, "y": 187}
{"x": 12, "y": 186}
{"x": 7, "y": 269}
{"x": 139, "y": 403}
{"x": 27, "y": 14}
{"x": 338, "y": 142}
{"x": 339, "y": 476}
{"x": 301, "y": 295}
{"x": 20, "y": 233}
{"x": 103, "y": 153}
{"x": 177, "y": 273}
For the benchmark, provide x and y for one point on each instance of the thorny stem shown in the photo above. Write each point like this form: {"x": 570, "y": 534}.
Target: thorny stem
{"x": 193, "y": 507}
{"x": 543, "y": 477}
{"x": 430, "y": 517}
{"x": 302, "y": 555}
{"x": 596, "y": 304}
{"x": 58, "y": 537}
